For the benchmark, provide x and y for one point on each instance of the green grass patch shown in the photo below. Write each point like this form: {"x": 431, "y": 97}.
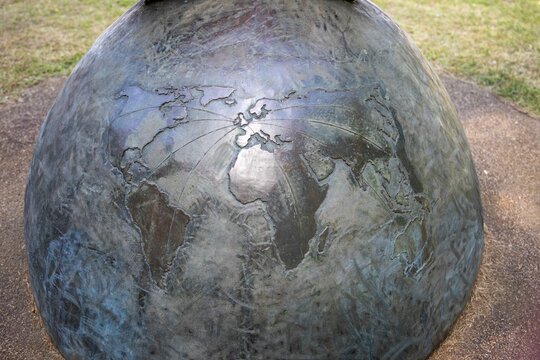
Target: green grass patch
{"x": 42, "y": 38}
{"x": 495, "y": 43}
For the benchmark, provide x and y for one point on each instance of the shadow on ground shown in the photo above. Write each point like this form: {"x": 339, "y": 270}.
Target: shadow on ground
{"x": 502, "y": 320}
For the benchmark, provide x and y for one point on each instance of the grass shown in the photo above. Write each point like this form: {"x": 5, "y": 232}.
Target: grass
{"x": 42, "y": 38}
{"x": 495, "y": 43}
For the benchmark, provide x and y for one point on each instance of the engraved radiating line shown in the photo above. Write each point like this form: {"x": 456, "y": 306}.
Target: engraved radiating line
{"x": 297, "y": 131}
{"x": 208, "y": 119}
{"x": 226, "y": 119}
{"x": 145, "y": 108}
{"x": 201, "y": 159}
{"x": 382, "y": 200}
{"x": 348, "y": 108}
{"x": 174, "y": 106}
{"x": 363, "y": 137}
{"x": 290, "y": 188}
{"x": 209, "y": 112}
{"x": 175, "y": 210}
{"x": 183, "y": 123}
{"x": 188, "y": 143}
{"x": 169, "y": 235}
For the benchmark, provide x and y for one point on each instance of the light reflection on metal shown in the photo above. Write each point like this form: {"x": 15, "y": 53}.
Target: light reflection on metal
{"x": 243, "y": 179}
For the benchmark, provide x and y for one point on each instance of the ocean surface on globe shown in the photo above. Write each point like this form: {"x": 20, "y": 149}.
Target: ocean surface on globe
{"x": 252, "y": 180}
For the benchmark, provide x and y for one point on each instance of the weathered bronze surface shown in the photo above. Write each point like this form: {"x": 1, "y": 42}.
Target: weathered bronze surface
{"x": 252, "y": 179}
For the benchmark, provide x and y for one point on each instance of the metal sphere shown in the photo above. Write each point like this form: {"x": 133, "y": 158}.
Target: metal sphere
{"x": 252, "y": 179}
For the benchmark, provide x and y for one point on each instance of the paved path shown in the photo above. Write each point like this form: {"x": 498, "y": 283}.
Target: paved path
{"x": 502, "y": 320}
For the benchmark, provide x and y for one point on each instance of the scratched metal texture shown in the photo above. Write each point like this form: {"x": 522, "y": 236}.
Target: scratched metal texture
{"x": 252, "y": 180}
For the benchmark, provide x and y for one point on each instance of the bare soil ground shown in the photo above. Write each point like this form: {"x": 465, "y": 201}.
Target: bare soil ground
{"x": 502, "y": 320}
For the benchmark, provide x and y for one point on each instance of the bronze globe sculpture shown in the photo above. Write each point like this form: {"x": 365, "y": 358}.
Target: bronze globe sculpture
{"x": 252, "y": 180}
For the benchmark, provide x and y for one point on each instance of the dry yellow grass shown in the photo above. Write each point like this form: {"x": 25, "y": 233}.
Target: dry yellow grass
{"x": 41, "y": 38}
{"x": 495, "y": 43}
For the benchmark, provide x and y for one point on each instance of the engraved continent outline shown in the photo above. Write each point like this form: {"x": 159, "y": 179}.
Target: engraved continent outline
{"x": 304, "y": 150}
